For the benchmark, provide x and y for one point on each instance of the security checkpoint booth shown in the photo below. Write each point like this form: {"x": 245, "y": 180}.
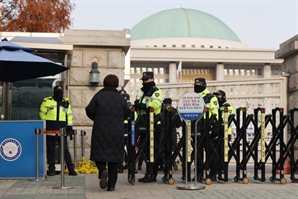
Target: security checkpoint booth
{"x": 18, "y": 149}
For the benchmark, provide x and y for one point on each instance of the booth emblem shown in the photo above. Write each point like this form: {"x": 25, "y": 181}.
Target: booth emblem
{"x": 10, "y": 149}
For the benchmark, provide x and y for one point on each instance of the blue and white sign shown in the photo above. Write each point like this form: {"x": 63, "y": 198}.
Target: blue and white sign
{"x": 191, "y": 106}
{"x": 10, "y": 149}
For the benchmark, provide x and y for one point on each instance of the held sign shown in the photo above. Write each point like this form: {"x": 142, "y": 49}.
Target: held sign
{"x": 191, "y": 106}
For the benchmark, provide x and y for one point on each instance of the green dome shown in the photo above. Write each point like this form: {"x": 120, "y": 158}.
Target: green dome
{"x": 182, "y": 23}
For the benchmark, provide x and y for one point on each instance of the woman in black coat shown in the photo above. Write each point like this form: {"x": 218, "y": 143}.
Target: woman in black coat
{"x": 108, "y": 110}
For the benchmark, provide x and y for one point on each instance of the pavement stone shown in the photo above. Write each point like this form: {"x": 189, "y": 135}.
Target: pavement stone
{"x": 86, "y": 186}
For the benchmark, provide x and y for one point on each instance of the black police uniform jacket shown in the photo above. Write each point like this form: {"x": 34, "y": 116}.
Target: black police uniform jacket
{"x": 107, "y": 109}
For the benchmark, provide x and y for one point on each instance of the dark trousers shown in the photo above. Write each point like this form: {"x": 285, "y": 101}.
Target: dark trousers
{"x": 51, "y": 155}
{"x": 112, "y": 172}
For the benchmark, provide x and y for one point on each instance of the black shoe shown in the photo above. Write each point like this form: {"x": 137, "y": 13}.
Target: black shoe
{"x": 52, "y": 173}
{"x": 213, "y": 177}
{"x": 147, "y": 180}
{"x": 142, "y": 179}
{"x": 103, "y": 183}
{"x": 139, "y": 168}
{"x": 72, "y": 173}
{"x": 160, "y": 169}
{"x": 188, "y": 180}
{"x": 110, "y": 189}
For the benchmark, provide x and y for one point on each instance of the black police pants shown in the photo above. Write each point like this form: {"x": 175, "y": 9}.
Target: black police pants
{"x": 51, "y": 153}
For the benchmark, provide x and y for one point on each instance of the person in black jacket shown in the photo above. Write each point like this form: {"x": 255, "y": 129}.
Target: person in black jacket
{"x": 107, "y": 109}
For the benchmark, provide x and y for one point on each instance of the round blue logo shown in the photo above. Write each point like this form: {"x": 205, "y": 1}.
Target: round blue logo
{"x": 10, "y": 149}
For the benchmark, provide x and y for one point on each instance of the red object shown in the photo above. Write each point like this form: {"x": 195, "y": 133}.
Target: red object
{"x": 287, "y": 167}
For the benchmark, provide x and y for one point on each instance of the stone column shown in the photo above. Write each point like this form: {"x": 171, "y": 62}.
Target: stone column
{"x": 267, "y": 70}
{"x": 220, "y": 71}
{"x": 172, "y": 72}
{"x": 289, "y": 52}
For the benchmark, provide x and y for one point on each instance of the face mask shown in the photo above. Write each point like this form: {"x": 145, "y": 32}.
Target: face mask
{"x": 221, "y": 101}
{"x": 199, "y": 89}
{"x": 58, "y": 95}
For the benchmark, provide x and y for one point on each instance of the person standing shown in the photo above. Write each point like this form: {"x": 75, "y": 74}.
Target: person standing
{"x": 56, "y": 111}
{"x": 211, "y": 102}
{"x": 107, "y": 109}
{"x": 222, "y": 101}
{"x": 151, "y": 96}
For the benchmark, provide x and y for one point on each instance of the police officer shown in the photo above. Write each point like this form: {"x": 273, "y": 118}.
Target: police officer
{"x": 151, "y": 96}
{"x": 222, "y": 101}
{"x": 56, "y": 111}
{"x": 211, "y": 102}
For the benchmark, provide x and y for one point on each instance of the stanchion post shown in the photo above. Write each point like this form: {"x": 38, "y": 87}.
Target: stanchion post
{"x": 75, "y": 147}
{"x": 83, "y": 133}
{"x": 37, "y": 132}
{"x": 62, "y": 132}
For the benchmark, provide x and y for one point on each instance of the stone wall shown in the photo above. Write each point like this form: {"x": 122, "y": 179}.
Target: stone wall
{"x": 108, "y": 49}
{"x": 289, "y": 52}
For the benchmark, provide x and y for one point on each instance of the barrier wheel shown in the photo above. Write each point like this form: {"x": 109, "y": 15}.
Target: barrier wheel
{"x": 245, "y": 180}
{"x": 208, "y": 181}
{"x": 171, "y": 181}
{"x": 283, "y": 181}
{"x": 272, "y": 179}
{"x": 236, "y": 179}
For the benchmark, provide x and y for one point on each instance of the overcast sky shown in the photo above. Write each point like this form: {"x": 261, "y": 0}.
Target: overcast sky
{"x": 263, "y": 24}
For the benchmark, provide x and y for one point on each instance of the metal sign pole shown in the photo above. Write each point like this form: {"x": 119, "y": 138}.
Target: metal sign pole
{"x": 191, "y": 107}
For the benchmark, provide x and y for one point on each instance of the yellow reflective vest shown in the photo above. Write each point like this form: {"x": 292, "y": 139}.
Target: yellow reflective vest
{"x": 230, "y": 111}
{"x": 56, "y": 116}
{"x": 211, "y": 103}
{"x": 154, "y": 101}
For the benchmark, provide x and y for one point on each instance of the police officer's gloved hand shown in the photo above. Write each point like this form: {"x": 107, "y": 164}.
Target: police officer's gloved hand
{"x": 69, "y": 131}
{"x": 140, "y": 106}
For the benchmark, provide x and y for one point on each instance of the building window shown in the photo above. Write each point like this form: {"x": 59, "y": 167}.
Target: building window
{"x": 138, "y": 70}
{"x": 202, "y": 46}
{"x": 242, "y": 72}
{"x": 137, "y": 82}
{"x": 211, "y": 46}
{"x": 144, "y": 70}
{"x": 149, "y": 69}
{"x": 161, "y": 71}
{"x": 253, "y": 72}
{"x": 225, "y": 72}
{"x": 219, "y": 46}
{"x": 276, "y": 71}
{"x": 193, "y": 46}
{"x": 259, "y": 72}
{"x": 164, "y": 45}
{"x": 231, "y": 71}
{"x": 167, "y": 81}
{"x": 155, "y": 70}
{"x": 236, "y": 72}
{"x": 132, "y": 92}
{"x": 161, "y": 81}
{"x": 132, "y": 82}
{"x": 132, "y": 70}
{"x": 167, "y": 70}
{"x": 248, "y": 72}
{"x": 174, "y": 46}
{"x": 183, "y": 45}
{"x": 155, "y": 45}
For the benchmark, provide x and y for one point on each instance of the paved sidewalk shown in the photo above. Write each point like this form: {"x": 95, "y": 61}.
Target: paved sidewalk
{"x": 87, "y": 186}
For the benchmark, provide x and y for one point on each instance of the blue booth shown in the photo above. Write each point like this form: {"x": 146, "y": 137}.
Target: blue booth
{"x": 18, "y": 149}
